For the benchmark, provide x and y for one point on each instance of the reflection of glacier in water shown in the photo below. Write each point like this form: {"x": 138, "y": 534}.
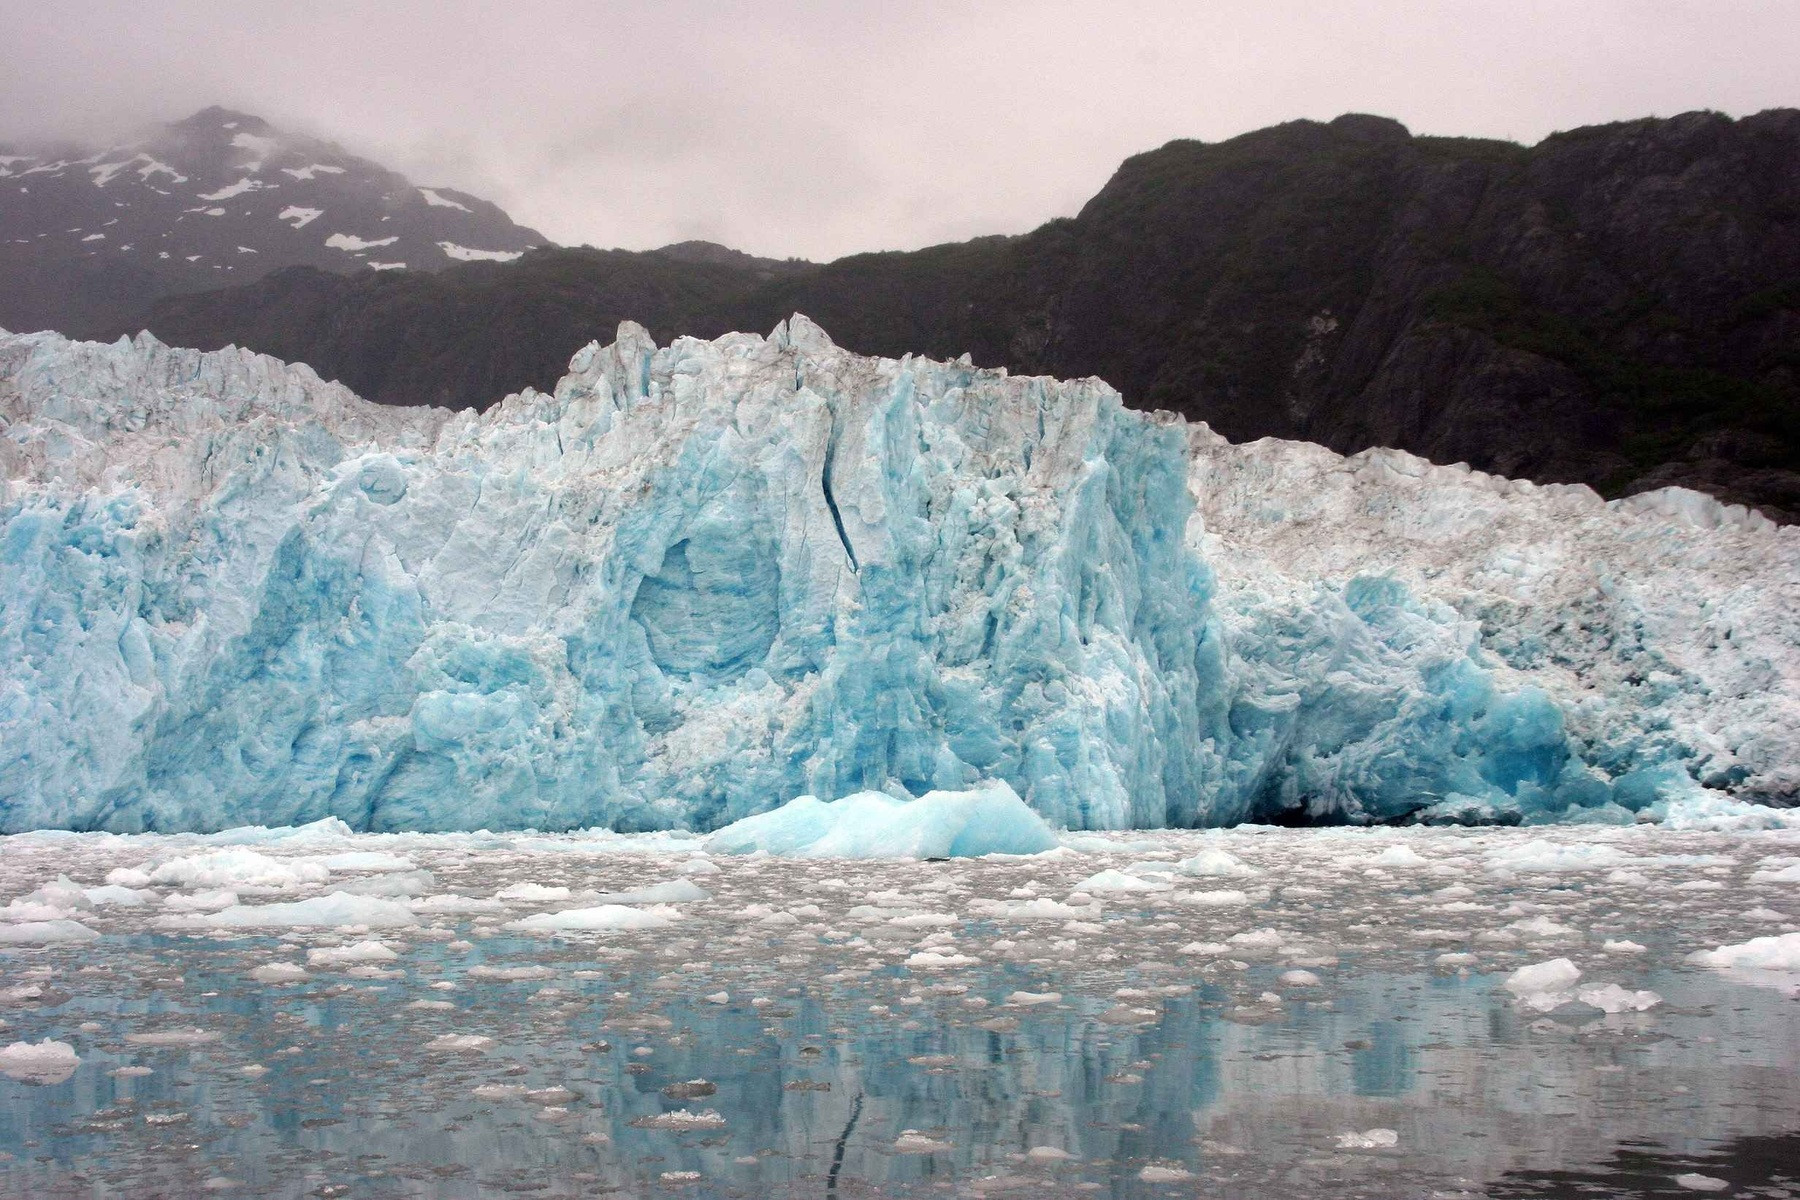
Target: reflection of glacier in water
{"x": 1242, "y": 1014}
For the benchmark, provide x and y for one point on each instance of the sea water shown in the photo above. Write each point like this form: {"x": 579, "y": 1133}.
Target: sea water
{"x": 1254, "y": 1013}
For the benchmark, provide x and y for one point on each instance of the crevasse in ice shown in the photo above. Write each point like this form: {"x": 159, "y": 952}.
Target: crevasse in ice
{"x": 694, "y": 583}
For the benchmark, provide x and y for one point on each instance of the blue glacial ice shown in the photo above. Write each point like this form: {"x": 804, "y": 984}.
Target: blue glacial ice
{"x": 695, "y": 582}
{"x": 965, "y": 824}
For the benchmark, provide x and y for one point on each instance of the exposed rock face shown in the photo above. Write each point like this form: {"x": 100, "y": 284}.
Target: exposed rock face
{"x": 698, "y": 581}
{"x": 90, "y": 236}
{"x": 1616, "y": 305}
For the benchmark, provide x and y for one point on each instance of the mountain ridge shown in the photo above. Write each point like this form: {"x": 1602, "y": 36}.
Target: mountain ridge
{"x": 91, "y": 235}
{"x": 1612, "y": 306}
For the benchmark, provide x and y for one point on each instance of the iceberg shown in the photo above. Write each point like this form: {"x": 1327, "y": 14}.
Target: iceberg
{"x": 694, "y": 582}
{"x": 965, "y": 824}
{"x": 46, "y": 1062}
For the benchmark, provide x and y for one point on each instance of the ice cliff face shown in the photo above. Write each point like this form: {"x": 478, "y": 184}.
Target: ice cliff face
{"x": 699, "y": 581}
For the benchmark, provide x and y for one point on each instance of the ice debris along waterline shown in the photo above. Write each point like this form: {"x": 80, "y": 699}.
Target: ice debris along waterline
{"x": 777, "y": 1023}
{"x": 695, "y": 582}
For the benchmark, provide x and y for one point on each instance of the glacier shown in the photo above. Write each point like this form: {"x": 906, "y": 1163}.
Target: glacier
{"x": 695, "y": 582}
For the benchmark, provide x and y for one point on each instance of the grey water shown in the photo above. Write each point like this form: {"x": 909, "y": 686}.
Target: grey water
{"x": 816, "y": 1077}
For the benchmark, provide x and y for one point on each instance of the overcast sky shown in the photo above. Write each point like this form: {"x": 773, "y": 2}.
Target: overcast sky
{"x": 820, "y": 129}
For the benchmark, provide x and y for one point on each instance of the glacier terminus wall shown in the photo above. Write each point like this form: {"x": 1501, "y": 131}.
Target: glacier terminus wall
{"x": 696, "y": 582}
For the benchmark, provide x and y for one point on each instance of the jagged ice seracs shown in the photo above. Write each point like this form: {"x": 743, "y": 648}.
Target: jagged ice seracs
{"x": 697, "y": 582}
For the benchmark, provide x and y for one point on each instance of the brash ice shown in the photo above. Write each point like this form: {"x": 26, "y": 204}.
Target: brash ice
{"x": 697, "y": 582}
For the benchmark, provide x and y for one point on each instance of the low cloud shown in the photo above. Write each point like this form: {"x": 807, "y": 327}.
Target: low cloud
{"x": 820, "y": 129}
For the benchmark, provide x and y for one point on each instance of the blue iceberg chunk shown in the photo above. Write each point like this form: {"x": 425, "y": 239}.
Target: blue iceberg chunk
{"x": 965, "y": 824}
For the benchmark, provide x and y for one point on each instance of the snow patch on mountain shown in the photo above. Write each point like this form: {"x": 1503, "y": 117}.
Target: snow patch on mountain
{"x": 301, "y": 217}
{"x": 246, "y": 184}
{"x": 464, "y": 254}
{"x": 311, "y": 170}
{"x": 438, "y": 200}
{"x": 349, "y": 241}
{"x": 695, "y": 582}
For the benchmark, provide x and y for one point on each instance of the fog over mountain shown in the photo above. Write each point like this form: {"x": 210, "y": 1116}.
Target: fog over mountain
{"x": 812, "y": 129}
{"x": 89, "y": 236}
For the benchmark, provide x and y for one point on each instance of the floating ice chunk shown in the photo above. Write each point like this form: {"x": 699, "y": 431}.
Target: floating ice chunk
{"x": 113, "y": 894}
{"x": 675, "y": 891}
{"x": 1205, "y": 949}
{"x": 279, "y": 972}
{"x": 682, "y": 1119}
{"x": 459, "y": 1043}
{"x": 345, "y": 956}
{"x": 1543, "y": 928}
{"x": 1033, "y": 999}
{"x": 1765, "y": 961}
{"x": 1368, "y": 1139}
{"x": 45, "y": 933}
{"x": 61, "y": 897}
{"x": 1543, "y": 857}
{"x": 1049, "y": 1154}
{"x": 1544, "y": 985}
{"x": 238, "y": 867}
{"x": 1224, "y": 898}
{"x": 451, "y": 903}
{"x": 47, "y": 1062}
{"x": 1300, "y": 978}
{"x": 169, "y": 1038}
{"x": 200, "y": 901}
{"x": 1164, "y": 1173}
{"x": 911, "y": 1141}
{"x": 938, "y": 958}
{"x": 699, "y": 866}
{"x": 1258, "y": 939}
{"x": 925, "y": 920}
{"x": 532, "y": 893}
{"x": 1399, "y": 856}
{"x": 1621, "y": 946}
{"x": 1041, "y": 909}
{"x": 1720, "y": 814}
{"x": 990, "y": 819}
{"x": 366, "y": 860}
{"x": 510, "y": 974}
{"x": 1693, "y": 1181}
{"x": 390, "y": 883}
{"x": 603, "y": 918}
{"x": 310, "y": 833}
{"x": 1111, "y": 882}
{"x": 1215, "y": 864}
{"x": 332, "y": 909}
{"x": 1611, "y": 998}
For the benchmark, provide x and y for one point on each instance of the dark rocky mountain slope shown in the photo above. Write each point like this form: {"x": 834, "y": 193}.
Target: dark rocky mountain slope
{"x": 89, "y": 236}
{"x": 1617, "y": 305}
